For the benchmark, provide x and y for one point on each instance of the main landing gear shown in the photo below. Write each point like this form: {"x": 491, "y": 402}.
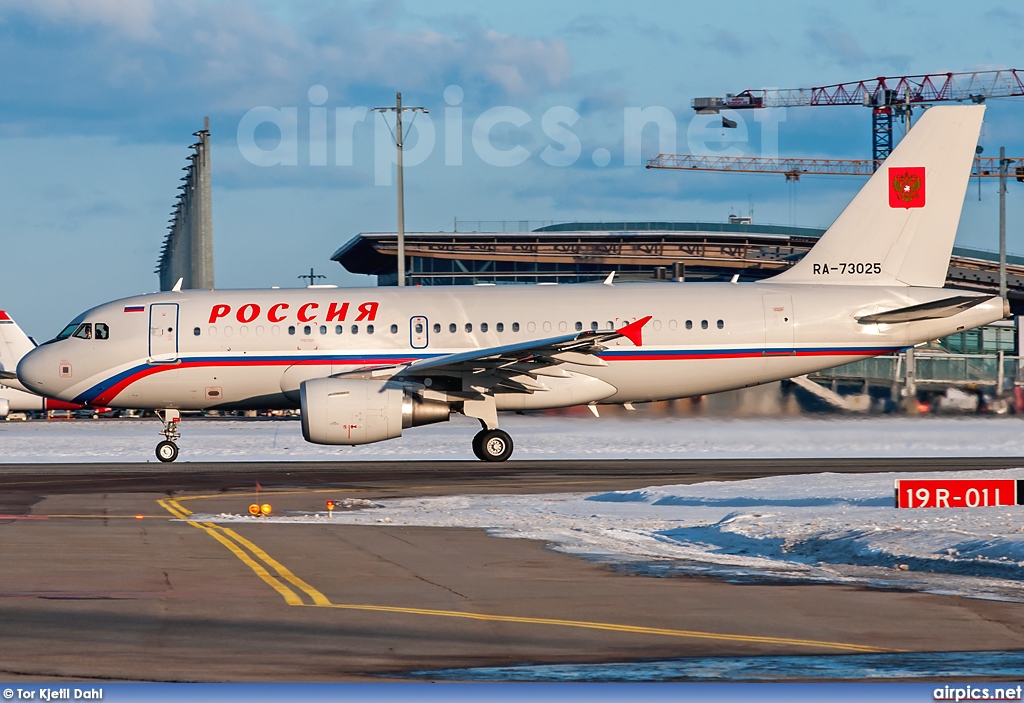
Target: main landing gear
{"x": 492, "y": 445}
{"x": 167, "y": 450}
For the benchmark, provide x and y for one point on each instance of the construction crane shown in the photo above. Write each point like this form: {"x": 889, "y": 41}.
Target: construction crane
{"x": 792, "y": 169}
{"x": 886, "y": 96}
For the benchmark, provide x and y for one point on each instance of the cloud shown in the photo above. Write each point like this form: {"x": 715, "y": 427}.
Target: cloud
{"x": 138, "y": 67}
{"x": 1004, "y": 17}
{"x": 593, "y": 26}
{"x": 133, "y": 18}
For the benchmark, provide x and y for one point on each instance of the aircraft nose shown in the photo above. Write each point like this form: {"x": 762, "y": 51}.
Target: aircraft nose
{"x": 40, "y": 373}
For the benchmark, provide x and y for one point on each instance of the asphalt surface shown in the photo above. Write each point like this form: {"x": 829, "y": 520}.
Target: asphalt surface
{"x": 103, "y": 577}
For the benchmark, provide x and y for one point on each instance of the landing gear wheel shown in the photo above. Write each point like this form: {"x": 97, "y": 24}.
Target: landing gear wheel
{"x": 492, "y": 445}
{"x": 167, "y": 451}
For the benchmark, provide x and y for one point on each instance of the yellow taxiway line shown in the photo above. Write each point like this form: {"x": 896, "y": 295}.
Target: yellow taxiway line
{"x": 238, "y": 545}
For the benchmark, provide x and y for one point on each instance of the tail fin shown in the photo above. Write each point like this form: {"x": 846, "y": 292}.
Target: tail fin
{"x": 899, "y": 229}
{"x": 14, "y": 344}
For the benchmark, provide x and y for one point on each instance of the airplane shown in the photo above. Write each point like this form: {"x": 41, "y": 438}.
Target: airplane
{"x": 15, "y": 344}
{"x": 365, "y": 364}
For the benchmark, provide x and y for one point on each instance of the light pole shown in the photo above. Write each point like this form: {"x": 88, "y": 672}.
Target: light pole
{"x": 399, "y": 142}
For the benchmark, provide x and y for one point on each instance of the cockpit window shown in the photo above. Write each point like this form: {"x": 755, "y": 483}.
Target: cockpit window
{"x": 102, "y": 330}
{"x": 84, "y": 331}
{"x": 67, "y": 331}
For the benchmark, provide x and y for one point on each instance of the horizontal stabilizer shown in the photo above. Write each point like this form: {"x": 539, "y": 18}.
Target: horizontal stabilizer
{"x": 947, "y": 307}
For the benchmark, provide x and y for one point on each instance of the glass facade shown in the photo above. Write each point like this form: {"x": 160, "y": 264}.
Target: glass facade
{"x": 983, "y": 340}
{"x": 445, "y": 272}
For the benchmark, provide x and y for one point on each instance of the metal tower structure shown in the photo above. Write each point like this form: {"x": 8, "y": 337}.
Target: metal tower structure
{"x": 187, "y": 252}
{"x": 886, "y": 96}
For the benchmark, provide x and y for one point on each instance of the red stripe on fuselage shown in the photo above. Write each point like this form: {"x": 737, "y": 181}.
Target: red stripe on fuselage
{"x": 108, "y": 395}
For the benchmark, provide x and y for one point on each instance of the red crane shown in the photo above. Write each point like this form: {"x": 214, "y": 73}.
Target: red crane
{"x": 884, "y": 95}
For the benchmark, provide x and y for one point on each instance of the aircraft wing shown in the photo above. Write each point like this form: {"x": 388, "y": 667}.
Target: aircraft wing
{"x": 947, "y": 307}
{"x": 7, "y": 375}
{"x": 512, "y": 366}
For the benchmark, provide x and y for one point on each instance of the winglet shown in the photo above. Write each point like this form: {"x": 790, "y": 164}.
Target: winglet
{"x": 632, "y": 330}
{"x": 177, "y": 286}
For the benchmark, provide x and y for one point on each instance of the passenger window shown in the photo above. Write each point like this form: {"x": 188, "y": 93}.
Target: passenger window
{"x": 394, "y": 329}
{"x": 452, "y": 328}
{"x": 500, "y": 327}
{"x": 259, "y": 330}
{"x": 323, "y": 329}
{"x": 593, "y": 325}
{"x": 703, "y": 324}
{"x": 307, "y": 330}
{"x": 228, "y": 330}
{"x": 611, "y": 325}
{"x": 213, "y": 331}
{"x": 721, "y": 324}
{"x": 102, "y": 331}
{"x": 243, "y": 331}
{"x": 355, "y": 329}
{"x": 672, "y": 324}
{"x": 656, "y": 325}
{"x": 689, "y": 324}
{"x": 276, "y": 331}
{"x": 419, "y": 328}
{"x": 437, "y": 328}
{"x": 369, "y": 329}
{"x": 483, "y": 326}
{"x": 563, "y": 326}
{"x": 469, "y": 326}
{"x": 291, "y": 329}
{"x": 515, "y": 326}
{"x": 546, "y": 326}
{"x": 196, "y": 331}
{"x": 84, "y": 331}
{"x": 579, "y": 326}
{"x": 337, "y": 329}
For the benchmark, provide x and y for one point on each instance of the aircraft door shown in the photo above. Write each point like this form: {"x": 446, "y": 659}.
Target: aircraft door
{"x": 163, "y": 332}
{"x": 419, "y": 335}
{"x": 779, "y": 324}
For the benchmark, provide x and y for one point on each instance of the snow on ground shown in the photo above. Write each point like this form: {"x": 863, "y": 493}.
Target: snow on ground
{"x": 825, "y": 528}
{"x": 535, "y": 436}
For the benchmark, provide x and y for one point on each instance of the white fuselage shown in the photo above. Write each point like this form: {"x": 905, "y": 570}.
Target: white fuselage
{"x": 195, "y": 350}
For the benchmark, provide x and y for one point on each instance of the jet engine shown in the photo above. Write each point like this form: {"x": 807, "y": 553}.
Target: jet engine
{"x": 360, "y": 411}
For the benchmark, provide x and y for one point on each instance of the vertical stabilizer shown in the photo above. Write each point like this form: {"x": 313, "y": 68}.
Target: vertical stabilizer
{"x": 899, "y": 229}
{"x": 14, "y": 344}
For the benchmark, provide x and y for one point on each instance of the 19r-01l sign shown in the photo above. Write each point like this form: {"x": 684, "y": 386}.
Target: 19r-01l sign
{"x": 959, "y": 493}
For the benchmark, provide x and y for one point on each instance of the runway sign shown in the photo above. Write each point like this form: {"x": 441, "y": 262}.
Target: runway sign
{"x": 959, "y": 493}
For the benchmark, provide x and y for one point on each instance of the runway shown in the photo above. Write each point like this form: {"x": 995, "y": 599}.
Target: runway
{"x": 105, "y": 577}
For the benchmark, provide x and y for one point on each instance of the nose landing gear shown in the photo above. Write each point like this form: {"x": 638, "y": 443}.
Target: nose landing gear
{"x": 167, "y": 450}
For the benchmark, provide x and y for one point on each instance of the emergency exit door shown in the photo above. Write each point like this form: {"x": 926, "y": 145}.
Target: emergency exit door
{"x": 163, "y": 332}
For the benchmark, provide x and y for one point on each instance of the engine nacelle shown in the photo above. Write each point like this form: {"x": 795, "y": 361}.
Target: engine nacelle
{"x": 360, "y": 411}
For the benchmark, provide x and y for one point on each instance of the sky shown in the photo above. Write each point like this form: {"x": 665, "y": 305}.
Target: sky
{"x": 533, "y": 111}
